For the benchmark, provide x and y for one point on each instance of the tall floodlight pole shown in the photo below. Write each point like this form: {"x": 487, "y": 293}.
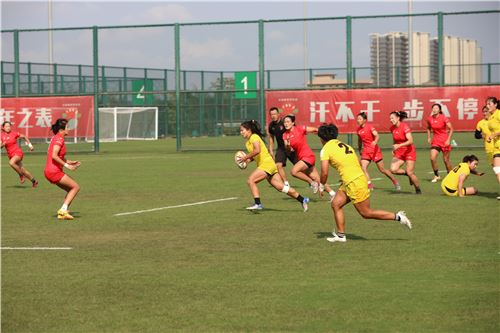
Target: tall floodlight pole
{"x": 51, "y": 54}
{"x": 306, "y": 60}
{"x": 410, "y": 42}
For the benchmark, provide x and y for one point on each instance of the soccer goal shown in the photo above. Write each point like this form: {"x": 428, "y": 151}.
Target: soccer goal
{"x": 128, "y": 123}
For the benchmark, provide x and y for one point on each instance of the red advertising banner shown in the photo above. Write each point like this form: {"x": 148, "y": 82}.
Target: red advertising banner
{"x": 34, "y": 116}
{"x": 462, "y": 105}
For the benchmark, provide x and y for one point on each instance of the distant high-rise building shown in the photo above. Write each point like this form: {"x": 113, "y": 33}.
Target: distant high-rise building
{"x": 390, "y": 59}
{"x": 462, "y": 60}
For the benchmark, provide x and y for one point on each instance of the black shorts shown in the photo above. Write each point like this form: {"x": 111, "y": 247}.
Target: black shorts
{"x": 282, "y": 155}
{"x": 496, "y": 155}
{"x": 436, "y": 148}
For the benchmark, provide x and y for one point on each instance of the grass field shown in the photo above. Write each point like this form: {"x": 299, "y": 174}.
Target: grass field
{"x": 217, "y": 268}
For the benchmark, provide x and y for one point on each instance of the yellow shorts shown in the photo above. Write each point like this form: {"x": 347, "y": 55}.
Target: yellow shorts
{"x": 451, "y": 192}
{"x": 489, "y": 155}
{"x": 269, "y": 168}
{"x": 357, "y": 190}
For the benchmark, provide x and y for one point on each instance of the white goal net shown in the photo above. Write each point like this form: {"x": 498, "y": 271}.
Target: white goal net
{"x": 128, "y": 123}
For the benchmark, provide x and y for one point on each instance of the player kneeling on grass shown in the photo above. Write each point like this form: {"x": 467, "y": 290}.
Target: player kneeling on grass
{"x": 453, "y": 183}
{"x": 54, "y": 167}
{"x": 354, "y": 183}
{"x": 266, "y": 168}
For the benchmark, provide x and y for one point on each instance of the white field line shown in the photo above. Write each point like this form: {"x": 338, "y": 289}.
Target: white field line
{"x": 337, "y": 184}
{"x": 36, "y": 248}
{"x": 177, "y": 206}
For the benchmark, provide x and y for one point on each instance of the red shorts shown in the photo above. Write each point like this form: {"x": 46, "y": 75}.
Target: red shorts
{"x": 309, "y": 159}
{"x": 372, "y": 154}
{"x": 53, "y": 176}
{"x": 407, "y": 153}
{"x": 440, "y": 146}
{"x": 17, "y": 152}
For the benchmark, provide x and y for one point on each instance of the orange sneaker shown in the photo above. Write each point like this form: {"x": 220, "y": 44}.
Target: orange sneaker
{"x": 21, "y": 179}
{"x": 64, "y": 215}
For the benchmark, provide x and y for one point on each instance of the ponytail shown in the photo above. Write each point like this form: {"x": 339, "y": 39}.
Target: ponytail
{"x": 400, "y": 114}
{"x": 254, "y": 127}
{"x": 59, "y": 125}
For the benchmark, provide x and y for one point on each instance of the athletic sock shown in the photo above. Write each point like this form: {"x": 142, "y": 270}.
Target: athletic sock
{"x": 64, "y": 207}
{"x": 257, "y": 201}
{"x": 340, "y": 234}
{"x": 300, "y": 199}
{"x": 436, "y": 172}
{"x": 33, "y": 180}
{"x": 286, "y": 183}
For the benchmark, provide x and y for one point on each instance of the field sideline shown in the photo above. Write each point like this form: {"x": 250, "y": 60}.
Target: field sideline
{"x": 210, "y": 266}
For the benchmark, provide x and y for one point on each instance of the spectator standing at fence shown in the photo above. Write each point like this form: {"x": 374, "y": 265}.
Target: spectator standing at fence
{"x": 403, "y": 149}
{"x": 266, "y": 168}
{"x": 453, "y": 183}
{"x": 494, "y": 127}
{"x": 56, "y": 160}
{"x": 275, "y": 131}
{"x": 354, "y": 183}
{"x": 483, "y": 132}
{"x": 442, "y": 131}
{"x": 370, "y": 151}
{"x": 8, "y": 140}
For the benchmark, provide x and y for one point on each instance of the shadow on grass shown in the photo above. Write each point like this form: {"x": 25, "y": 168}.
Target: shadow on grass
{"x": 19, "y": 186}
{"x": 76, "y": 215}
{"x": 323, "y": 234}
{"x": 263, "y": 210}
{"x": 493, "y": 195}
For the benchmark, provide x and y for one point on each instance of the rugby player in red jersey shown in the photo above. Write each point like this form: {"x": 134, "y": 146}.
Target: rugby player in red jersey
{"x": 9, "y": 141}
{"x": 370, "y": 151}
{"x": 403, "y": 149}
{"x": 442, "y": 131}
{"x": 56, "y": 160}
{"x": 295, "y": 139}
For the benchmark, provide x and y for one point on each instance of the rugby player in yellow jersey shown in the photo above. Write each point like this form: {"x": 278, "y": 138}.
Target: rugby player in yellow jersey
{"x": 266, "y": 168}
{"x": 453, "y": 183}
{"x": 483, "y": 132}
{"x": 354, "y": 185}
{"x": 494, "y": 126}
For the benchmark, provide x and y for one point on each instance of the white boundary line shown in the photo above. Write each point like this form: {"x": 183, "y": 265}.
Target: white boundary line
{"x": 177, "y": 206}
{"x": 36, "y": 248}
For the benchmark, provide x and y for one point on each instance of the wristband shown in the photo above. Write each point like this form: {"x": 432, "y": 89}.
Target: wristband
{"x": 66, "y": 165}
{"x": 30, "y": 145}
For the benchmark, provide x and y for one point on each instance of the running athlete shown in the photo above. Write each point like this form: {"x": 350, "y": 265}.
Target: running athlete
{"x": 370, "y": 151}
{"x": 483, "y": 132}
{"x": 354, "y": 183}
{"x": 266, "y": 168}
{"x": 453, "y": 183}
{"x": 276, "y": 130}
{"x": 494, "y": 127}
{"x": 295, "y": 139}
{"x": 403, "y": 149}
{"x": 8, "y": 140}
{"x": 54, "y": 168}
{"x": 442, "y": 131}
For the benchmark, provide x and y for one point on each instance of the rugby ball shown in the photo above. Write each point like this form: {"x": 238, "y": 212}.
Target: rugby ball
{"x": 238, "y": 159}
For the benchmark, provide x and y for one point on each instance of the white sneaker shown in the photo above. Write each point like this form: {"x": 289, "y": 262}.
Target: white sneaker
{"x": 336, "y": 238}
{"x": 403, "y": 219}
{"x": 397, "y": 187}
{"x": 315, "y": 187}
{"x": 255, "y": 207}
{"x": 305, "y": 205}
{"x": 435, "y": 179}
{"x": 332, "y": 196}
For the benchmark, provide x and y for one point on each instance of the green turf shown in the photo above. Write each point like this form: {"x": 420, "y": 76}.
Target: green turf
{"x": 219, "y": 268}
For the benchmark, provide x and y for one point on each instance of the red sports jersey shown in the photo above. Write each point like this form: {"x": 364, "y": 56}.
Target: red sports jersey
{"x": 10, "y": 141}
{"x": 366, "y": 136}
{"x": 53, "y": 170}
{"x": 438, "y": 127}
{"x": 298, "y": 141}
{"x": 406, "y": 153}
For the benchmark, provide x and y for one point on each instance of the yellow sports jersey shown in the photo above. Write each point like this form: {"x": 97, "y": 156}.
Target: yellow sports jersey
{"x": 494, "y": 127}
{"x": 450, "y": 182}
{"x": 343, "y": 158}
{"x": 264, "y": 160}
{"x": 482, "y": 126}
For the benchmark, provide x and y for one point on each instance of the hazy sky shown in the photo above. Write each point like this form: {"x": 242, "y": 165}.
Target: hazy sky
{"x": 230, "y": 47}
